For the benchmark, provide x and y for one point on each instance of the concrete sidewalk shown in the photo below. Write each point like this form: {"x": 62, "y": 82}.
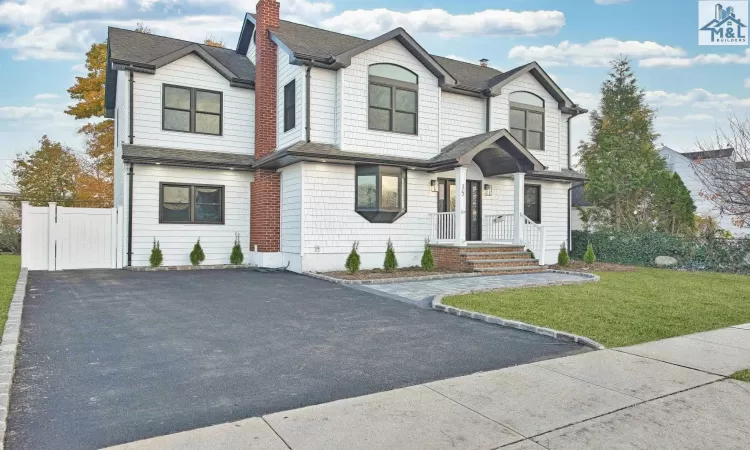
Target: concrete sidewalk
{"x": 672, "y": 393}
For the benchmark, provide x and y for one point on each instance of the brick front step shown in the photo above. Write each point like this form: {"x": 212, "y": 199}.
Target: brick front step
{"x": 476, "y": 256}
{"x": 502, "y": 263}
{"x": 485, "y": 259}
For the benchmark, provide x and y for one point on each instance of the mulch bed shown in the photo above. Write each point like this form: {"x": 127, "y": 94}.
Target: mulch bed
{"x": 380, "y": 274}
{"x": 580, "y": 266}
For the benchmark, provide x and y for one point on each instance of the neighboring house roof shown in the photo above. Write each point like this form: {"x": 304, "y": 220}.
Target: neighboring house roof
{"x": 143, "y": 52}
{"x": 709, "y": 154}
{"x": 578, "y": 197}
{"x": 145, "y": 154}
{"x": 743, "y": 164}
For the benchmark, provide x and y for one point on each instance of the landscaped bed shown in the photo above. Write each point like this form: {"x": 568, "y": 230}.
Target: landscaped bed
{"x": 380, "y": 274}
{"x": 10, "y": 265}
{"x": 626, "y": 307}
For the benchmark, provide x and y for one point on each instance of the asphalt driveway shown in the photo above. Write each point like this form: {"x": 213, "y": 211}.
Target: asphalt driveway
{"x": 108, "y": 357}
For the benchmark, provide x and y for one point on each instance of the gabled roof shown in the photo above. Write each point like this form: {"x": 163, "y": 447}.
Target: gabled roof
{"x": 143, "y": 52}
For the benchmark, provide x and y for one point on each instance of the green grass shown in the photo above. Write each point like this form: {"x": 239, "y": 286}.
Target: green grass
{"x": 10, "y": 265}
{"x": 625, "y": 308}
{"x": 742, "y": 375}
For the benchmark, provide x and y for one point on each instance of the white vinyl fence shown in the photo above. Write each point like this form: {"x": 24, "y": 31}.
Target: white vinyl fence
{"x": 58, "y": 238}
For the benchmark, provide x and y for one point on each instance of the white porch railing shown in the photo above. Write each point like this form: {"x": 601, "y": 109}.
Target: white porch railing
{"x": 534, "y": 238}
{"x": 497, "y": 228}
{"x": 443, "y": 227}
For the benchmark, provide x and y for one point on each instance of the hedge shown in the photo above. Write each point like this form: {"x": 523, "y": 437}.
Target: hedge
{"x": 641, "y": 249}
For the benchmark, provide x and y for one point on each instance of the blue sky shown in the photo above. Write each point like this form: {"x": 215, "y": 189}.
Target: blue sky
{"x": 43, "y": 42}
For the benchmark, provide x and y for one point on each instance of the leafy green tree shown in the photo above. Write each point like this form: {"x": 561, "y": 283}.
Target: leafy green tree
{"x": 48, "y": 174}
{"x": 391, "y": 263}
{"x": 672, "y": 206}
{"x": 428, "y": 262}
{"x": 563, "y": 260}
{"x": 236, "y": 257}
{"x": 197, "y": 256}
{"x": 620, "y": 158}
{"x": 156, "y": 257}
{"x": 353, "y": 260}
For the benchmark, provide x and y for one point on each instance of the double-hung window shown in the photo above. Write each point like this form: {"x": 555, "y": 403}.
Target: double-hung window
{"x": 532, "y": 202}
{"x": 290, "y": 107}
{"x": 527, "y": 119}
{"x": 187, "y": 203}
{"x": 393, "y": 100}
{"x": 191, "y": 110}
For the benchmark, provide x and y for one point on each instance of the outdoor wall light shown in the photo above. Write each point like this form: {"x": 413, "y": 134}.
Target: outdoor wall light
{"x": 488, "y": 190}
{"x": 433, "y": 186}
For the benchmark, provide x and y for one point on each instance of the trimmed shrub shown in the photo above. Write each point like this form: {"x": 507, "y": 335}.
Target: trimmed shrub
{"x": 589, "y": 257}
{"x": 197, "y": 256}
{"x": 236, "y": 257}
{"x": 428, "y": 262}
{"x": 156, "y": 257}
{"x": 353, "y": 261}
{"x": 391, "y": 263}
{"x": 563, "y": 260}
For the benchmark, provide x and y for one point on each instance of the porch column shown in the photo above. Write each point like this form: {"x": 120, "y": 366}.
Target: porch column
{"x": 460, "y": 213}
{"x": 518, "y": 220}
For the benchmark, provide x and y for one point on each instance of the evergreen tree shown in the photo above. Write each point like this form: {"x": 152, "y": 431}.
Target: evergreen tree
{"x": 236, "y": 257}
{"x": 620, "y": 159}
{"x": 156, "y": 255}
{"x": 353, "y": 261}
{"x": 197, "y": 256}
{"x": 672, "y": 206}
{"x": 391, "y": 263}
{"x": 589, "y": 257}
{"x": 563, "y": 260}
{"x": 428, "y": 262}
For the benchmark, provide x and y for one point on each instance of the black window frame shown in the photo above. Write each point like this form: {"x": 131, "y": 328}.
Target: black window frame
{"x": 393, "y": 85}
{"x": 193, "y": 111}
{"x": 379, "y": 214}
{"x": 191, "y": 204}
{"x": 290, "y": 106}
{"x": 526, "y": 109}
{"x": 538, "y": 188}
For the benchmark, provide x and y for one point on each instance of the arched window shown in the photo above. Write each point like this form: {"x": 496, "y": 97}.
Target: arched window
{"x": 393, "y": 102}
{"x": 527, "y": 119}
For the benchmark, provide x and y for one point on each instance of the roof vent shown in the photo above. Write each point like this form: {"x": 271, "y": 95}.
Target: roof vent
{"x": 484, "y": 62}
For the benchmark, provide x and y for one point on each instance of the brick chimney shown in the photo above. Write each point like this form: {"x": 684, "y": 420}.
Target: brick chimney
{"x": 265, "y": 211}
{"x": 484, "y": 62}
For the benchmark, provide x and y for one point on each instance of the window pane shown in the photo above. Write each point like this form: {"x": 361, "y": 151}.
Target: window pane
{"x": 526, "y": 98}
{"x": 519, "y": 134}
{"x": 531, "y": 203}
{"x": 517, "y": 118}
{"x": 393, "y": 72}
{"x": 176, "y": 120}
{"x": 207, "y": 123}
{"x": 536, "y": 121}
{"x": 208, "y": 195}
{"x": 389, "y": 192}
{"x": 380, "y": 96}
{"x": 380, "y": 119}
{"x": 208, "y": 213}
{"x": 175, "y": 212}
{"x": 406, "y": 101}
{"x": 366, "y": 191}
{"x": 176, "y": 97}
{"x": 207, "y": 102}
{"x": 535, "y": 141}
{"x": 176, "y": 194}
{"x": 405, "y": 123}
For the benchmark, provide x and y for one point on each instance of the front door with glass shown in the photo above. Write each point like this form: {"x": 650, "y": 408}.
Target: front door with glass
{"x": 447, "y": 203}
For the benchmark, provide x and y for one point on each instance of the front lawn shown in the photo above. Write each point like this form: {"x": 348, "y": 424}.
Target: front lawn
{"x": 10, "y": 265}
{"x": 625, "y": 308}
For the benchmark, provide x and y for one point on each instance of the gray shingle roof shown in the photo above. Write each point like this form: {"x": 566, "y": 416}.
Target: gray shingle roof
{"x": 185, "y": 157}
{"x": 721, "y": 153}
{"x": 468, "y": 74}
{"x": 313, "y": 150}
{"x": 142, "y": 48}
{"x": 458, "y": 148}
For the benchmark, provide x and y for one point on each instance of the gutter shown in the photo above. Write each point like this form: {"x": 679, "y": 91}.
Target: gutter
{"x": 130, "y": 215}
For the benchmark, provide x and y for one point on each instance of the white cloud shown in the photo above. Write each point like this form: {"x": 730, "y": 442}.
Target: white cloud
{"x": 26, "y": 112}
{"x": 696, "y": 98}
{"x": 46, "y": 96}
{"x": 587, "y": 100}
{"x": 610, "y": 2}
{"x": 598, "y": 53}
{"x": 32, "y": 12}
{"x": 492, "y": 22}
{"x": 747, "y": 82}
{"x": 54, "y": 42}
{"x": 81, "y": 68}
{"x": 699, "y": 60}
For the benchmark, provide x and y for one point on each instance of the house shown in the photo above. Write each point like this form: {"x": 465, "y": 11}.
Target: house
{"x": 578, "y": 203}
{"x": 302, "y": 141}
{"x": 684, "y": 165}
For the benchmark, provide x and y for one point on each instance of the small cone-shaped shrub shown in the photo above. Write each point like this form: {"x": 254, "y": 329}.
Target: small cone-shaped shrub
{"x": 156, "y": 255}
{"x": 428, "y": 262}
{"x": 390, "y": 264}
{"x": 353, "y": 261}
{"x": 563, "y": 260}
{"x": 236, "y": 257}
{"x": 197, "y": 256}
{"x": 589, "y": 257}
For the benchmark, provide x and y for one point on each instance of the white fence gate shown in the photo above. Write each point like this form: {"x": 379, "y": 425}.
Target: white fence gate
{"x": 58, "y": 238}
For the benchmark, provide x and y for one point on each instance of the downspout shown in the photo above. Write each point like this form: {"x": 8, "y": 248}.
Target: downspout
{"x": 487, "y": 115}
{"x": 130, "y": 215}
{"x": 307, "y": 100}
{"x": 130, "y": 112}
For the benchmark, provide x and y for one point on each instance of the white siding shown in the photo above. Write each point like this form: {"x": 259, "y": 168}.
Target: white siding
{"x": 122, "y": 114}
{"x": 251, "y": 49}
{"x": 554, "y": 216}
{"x": 291, "y": 208}
{"x": 357, "y": 137}
{"x": 323, "y": 106}
{"x": 461, "y": 116}
{"x": 191, "y": 71}
{"x": 177, "y": 240}
{"x": 564, "y": 141}
{"x": 286, "y": 73}
{"x": 500, "y": 108}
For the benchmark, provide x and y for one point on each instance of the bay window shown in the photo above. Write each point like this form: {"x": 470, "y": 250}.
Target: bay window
{"x": 380, "y": 193}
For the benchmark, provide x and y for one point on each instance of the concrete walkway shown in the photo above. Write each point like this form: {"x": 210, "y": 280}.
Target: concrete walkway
{"x": 672, "y": 393}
